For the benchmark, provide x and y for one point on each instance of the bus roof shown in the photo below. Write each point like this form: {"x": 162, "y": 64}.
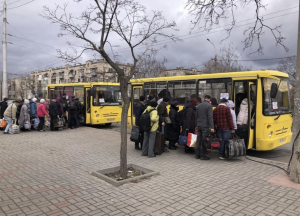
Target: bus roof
{"x": 84, "y": 84}
{"x": 264, "y": 73}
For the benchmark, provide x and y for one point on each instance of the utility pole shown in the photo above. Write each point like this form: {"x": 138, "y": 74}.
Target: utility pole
{"x": 4, "y": 80}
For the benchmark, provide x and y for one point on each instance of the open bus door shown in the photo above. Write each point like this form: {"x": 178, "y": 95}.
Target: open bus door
{"x": 88, "y": 105}
{"x": 137, "y": 91}
{"x": 251, "y": 114}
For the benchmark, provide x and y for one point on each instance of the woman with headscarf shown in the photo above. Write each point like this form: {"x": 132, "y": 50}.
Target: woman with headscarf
{"x": 41, "y": 113}
{"x": 173, "y": 129}
{"x": 24, "y": 115}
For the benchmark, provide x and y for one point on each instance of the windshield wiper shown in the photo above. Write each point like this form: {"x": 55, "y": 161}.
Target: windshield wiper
{"x": 277, "y": 117}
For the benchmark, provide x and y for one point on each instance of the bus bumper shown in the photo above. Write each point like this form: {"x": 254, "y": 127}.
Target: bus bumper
{"x": 272, "y": 143}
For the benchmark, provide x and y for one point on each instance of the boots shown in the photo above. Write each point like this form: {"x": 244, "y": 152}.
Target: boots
{"x": 172, "y": 145}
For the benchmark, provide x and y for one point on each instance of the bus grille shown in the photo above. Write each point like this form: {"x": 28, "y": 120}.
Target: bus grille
{"x": 282, "y": 131}
{"x": 110, "y": 114}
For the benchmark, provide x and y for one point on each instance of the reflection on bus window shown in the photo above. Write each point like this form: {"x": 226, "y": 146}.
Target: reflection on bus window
{"x": 182, "y": 91}
{"x": 280, "y": 104}
{"x": 107, "y": 96}
{"x": 156, "y": 89}
{"x": 214, "y": 88}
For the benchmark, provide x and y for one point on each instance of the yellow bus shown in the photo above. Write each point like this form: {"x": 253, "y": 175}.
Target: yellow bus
{"x": 269, "y": 115}
{"x": 102, "y": 103}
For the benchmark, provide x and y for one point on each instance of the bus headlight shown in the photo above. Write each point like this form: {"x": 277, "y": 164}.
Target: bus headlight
{"x": 270, "y": 134}
{"x": 97, "y": 115}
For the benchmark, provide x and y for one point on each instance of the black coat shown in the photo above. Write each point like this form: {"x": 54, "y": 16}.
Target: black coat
{"x": 3, "y": 108}
{"x": 173, "y": 129}
{"x": 190, "y": 117}
{"x": 139, "y": 109}
{"x": 53, "y": 109}
{"x": 162, "y": 112}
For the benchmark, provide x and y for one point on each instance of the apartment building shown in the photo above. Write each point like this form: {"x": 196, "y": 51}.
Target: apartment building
{"x": 36, "y": 82}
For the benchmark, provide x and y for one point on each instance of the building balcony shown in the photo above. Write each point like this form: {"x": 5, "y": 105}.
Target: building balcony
{"x": 71, "y": 75}
{"x": 61, "y": 76}
{"x": 93, "y": 73}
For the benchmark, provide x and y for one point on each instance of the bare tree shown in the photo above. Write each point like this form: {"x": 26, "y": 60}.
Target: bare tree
{"x": 227, "y": 61}
{"x": 212, "y": 11}
{"x": 149, "y": 66}
{"x": 288, "y": 65}
{"x": 97, "y": 24}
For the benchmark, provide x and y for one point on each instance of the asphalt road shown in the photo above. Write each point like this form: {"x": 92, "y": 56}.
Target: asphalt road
{"x": 281, "y": 154}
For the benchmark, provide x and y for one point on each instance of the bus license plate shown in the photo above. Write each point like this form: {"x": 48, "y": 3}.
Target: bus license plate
{"x": 110, "y": 120}
{"x": 281, "y": 141}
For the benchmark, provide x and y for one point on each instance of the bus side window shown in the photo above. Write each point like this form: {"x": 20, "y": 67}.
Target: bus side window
{"x": 182, "y": 91}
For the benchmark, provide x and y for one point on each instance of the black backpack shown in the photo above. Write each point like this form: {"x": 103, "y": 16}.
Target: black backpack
{"x": 181, "y": 116}
{"x": 73, "y": 105}
{"x": 145, "y": 122}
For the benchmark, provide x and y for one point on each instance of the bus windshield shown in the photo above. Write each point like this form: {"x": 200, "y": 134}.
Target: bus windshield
{"x": 107, "y": 96}
{"x": 280, "y": 104}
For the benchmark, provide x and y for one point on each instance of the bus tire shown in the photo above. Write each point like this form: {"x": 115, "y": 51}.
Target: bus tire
{"x": 108, "y": 124}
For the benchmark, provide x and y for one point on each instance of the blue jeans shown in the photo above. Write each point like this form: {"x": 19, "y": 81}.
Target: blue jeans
{"x": 225, "y": 136}
{"x": 9, "y": 123}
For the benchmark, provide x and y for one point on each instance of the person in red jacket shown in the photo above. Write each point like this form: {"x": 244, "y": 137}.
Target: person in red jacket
{"x": 224, "y": 124}
{"x": 41, "y": 113}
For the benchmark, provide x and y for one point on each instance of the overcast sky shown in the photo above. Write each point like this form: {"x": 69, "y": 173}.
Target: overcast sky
{"x": 25, "y": 22}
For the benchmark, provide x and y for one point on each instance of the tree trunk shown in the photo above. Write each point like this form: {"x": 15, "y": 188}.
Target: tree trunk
{"x": 295, "y": 163}
{"x": 123, "y": 152}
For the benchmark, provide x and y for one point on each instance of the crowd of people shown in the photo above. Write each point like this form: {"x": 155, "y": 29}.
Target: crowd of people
{"x": 34, "y": 114}
{"x": 199, "y": 118}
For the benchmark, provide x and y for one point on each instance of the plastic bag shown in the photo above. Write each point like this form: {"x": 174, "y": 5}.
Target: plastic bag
{"x": 36, "y": 123}
{"x": 14, "y": 129}
{"x": 27, "y": 125}
{"x": 192, "y": 140}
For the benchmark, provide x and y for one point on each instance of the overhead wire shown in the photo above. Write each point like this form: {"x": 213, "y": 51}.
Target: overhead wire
{"x": 20, "y": 5}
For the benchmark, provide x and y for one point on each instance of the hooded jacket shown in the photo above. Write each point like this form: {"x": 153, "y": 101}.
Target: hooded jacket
{"x": 230, "y": 105}
{"x": 153, "y": 117}
{"x": 242, "y": 118}
{"x": 53, "y": 109}
{"x": 139, "y": 109}
{"x": 32, "y": 109}
{"x": 162, "y": 112}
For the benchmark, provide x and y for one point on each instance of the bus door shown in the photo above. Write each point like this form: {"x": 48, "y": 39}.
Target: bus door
{"x": 137, "y": 91}
{"x": 251, "y": 114}
{"x": 244, "y": 89}
{"x": 87, "y": 103}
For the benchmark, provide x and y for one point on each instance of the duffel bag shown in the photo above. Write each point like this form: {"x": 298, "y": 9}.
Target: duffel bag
{"x": 212, "y": 141}
{"x": 182, "y": 141}
{"x": 235, "y": 147}
{"x": 135, "y": 133}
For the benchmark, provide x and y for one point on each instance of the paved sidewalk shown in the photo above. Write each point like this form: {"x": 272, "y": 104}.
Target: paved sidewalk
{"x": 49, "y": 174}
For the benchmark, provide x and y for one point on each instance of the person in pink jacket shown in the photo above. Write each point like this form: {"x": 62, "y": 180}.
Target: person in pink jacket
{"x": 41, "y": 113}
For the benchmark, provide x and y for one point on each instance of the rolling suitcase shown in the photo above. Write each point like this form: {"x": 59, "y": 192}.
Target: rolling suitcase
{"x": 159, "y": 146}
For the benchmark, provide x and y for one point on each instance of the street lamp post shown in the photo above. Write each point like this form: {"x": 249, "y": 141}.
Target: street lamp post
{"x": 215, "y": 59}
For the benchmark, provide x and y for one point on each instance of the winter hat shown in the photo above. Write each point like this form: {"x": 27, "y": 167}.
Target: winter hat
{"x": 42, "y": 101}
{"x": 153, "y": 104}
{"x": 34, "y": 99}
{"x": 26, "y": 101}
{"x": 223, "y": 100}
{"x": 175, "y": 103}
{"x": 166, "y": 99}
{"x": 230, "y": 104}
{"x": 142, "y": 98}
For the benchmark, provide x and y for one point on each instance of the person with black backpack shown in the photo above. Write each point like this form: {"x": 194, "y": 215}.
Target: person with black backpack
{"x": 139, "y": 109}
{"x": 149, "y": 124}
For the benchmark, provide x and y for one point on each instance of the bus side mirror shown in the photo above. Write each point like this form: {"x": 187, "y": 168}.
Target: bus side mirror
{"x": 274, "y": 90}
